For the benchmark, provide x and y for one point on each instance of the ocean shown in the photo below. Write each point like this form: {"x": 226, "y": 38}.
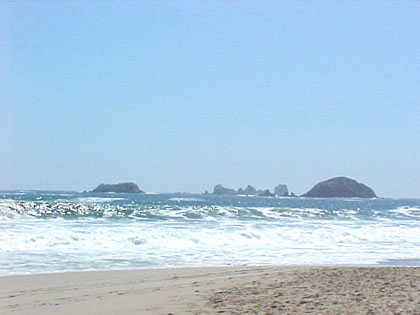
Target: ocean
{"x": 47, "y": 231}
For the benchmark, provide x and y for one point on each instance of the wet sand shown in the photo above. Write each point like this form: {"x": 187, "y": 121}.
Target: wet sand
{"x": 214, "y": 290}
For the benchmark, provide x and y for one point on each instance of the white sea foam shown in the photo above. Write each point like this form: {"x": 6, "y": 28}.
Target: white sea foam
{"x": 407, "y": 211}
{"x": 98, "y": 199}
{"x": 185, "y": 199}
{"x": 97, "y": 233}
{"x": 317, "y": 242}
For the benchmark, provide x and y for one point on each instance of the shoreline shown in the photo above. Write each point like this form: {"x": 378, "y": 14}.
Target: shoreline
{"x": 405, "y": 262}
{"x": 212, "y": 290}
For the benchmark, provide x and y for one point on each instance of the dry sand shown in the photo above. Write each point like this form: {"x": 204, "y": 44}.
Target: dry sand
{"x": 228, "y": 290}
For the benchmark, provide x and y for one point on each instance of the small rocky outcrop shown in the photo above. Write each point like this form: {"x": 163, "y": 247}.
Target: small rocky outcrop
{"x": 119, "y": 188}
{"x": 340, "y": 187}
{"x": 265, "y": 193}
{"x": 281, "y": 190}
{"x": 220, "y": 190}
{"x": 250, "y": 191}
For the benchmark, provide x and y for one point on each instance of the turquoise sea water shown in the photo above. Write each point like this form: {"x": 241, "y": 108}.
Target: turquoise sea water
{"x": 66, "y": 231}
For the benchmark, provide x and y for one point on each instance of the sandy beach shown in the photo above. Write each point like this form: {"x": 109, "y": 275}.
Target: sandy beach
{"x": 217, "y": 290}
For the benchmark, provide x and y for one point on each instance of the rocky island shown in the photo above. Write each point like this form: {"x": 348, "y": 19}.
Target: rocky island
{"x": 265, "y": 193}
{"x": 119, "y": 188}
{"x": 249, "y": 191}
{"x": 220, "y": 190}
{"x": 340, "y": 187}
{"x": 280, "y": 190}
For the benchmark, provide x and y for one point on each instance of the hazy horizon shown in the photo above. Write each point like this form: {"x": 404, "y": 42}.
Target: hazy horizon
{"x": 210, "y": 190}
{"x": 179, "y": 97}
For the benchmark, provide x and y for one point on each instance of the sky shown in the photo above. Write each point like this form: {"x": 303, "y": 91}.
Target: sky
{"x": 179, "y": 96}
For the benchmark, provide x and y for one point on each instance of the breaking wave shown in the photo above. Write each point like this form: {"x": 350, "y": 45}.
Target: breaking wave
{"x": 41, "y": 232}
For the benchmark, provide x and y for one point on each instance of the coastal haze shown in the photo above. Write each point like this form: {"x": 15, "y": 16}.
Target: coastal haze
{"x": 181, "y": 97}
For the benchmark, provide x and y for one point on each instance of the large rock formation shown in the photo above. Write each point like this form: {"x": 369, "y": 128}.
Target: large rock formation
{"x": 220, "y": 190}
{"x": 341, "y": 187}
{"x": 118, "y": 188}
{"x": 281, "y": 190}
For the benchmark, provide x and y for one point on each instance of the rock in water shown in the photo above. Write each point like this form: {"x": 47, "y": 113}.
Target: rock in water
{"x": 265, "y": 193}
{"x": 220, "y": 190}
{"x": 119, "y": 188}
{"x": 250, "y": 191}
{"x": 281, "y": 190}
{"x": 341, "y": 187}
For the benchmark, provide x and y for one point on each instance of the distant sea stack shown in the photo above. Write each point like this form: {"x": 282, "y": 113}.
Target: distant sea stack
{"x": 265, "y": 193}
{"x": 119, "y": 188}
{"x": 248, "y": 191}
{"x": 220, "y": 190}
{"x": 281, "y": 190}
{"x": 340, "y": 187}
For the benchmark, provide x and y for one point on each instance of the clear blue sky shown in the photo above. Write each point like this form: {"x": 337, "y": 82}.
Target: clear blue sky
{"x": 183, "y": 95}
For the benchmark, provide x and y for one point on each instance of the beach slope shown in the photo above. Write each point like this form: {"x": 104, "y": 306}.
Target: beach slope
{"x": 216, "y": 290}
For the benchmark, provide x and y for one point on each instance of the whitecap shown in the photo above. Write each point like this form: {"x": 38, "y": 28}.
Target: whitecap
{"x": 185, "y": 199}
{"x": 98, "y": 199}
{"x": 413, "y": 212}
